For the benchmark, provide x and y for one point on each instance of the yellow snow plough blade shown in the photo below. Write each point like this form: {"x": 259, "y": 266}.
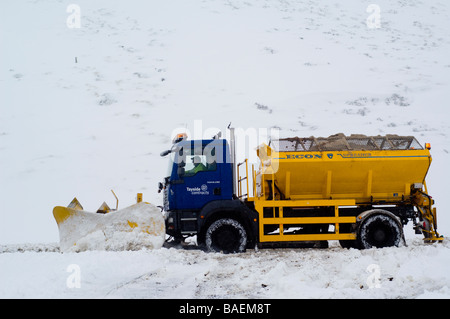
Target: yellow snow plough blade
{"x": 132, "y": 228}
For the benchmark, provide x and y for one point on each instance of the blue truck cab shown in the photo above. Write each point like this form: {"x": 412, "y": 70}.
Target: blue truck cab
{"x": 198, "y": 192}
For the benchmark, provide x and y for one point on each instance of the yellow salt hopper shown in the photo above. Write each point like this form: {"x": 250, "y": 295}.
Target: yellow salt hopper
{"x": 307, "y": 181}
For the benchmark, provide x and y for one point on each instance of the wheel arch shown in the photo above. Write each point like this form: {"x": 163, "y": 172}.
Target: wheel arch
{"x": 377, "y": 211}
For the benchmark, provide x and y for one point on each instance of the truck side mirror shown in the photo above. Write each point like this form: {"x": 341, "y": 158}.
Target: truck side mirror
{"x": 165, "y": 153}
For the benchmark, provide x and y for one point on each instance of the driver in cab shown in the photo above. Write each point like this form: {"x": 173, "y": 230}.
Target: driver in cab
{"x": 198, "y": 166}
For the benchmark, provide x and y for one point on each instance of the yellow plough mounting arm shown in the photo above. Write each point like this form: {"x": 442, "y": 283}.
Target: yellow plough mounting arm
{"x": 135, "y": 227}
{"x": 427, "y": 217}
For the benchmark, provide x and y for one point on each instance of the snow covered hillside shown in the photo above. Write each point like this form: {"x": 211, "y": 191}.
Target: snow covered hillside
{"x": 88, "y": 108}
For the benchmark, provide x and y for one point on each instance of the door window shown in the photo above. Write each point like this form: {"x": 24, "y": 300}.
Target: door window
{"x": 199, "y": 163}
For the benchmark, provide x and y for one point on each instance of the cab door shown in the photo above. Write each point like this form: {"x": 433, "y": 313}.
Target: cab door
{"x": 203, "y": 175}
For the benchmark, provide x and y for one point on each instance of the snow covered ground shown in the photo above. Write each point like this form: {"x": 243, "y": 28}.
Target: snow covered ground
{"x": 416, "y": 271}
{"x": 89, "y": 109}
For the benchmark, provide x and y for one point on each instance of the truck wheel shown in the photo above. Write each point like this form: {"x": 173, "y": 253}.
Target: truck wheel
{"x": 379, "y": 230}
{"x": 226, "y": 235}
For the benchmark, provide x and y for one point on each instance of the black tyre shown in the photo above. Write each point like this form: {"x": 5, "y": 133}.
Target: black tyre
{"x": 226, "y": 235}
{"x": 379, "y": 230}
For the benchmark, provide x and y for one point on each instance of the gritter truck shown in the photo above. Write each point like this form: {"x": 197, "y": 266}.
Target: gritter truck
{"x": 359, "y": 190}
